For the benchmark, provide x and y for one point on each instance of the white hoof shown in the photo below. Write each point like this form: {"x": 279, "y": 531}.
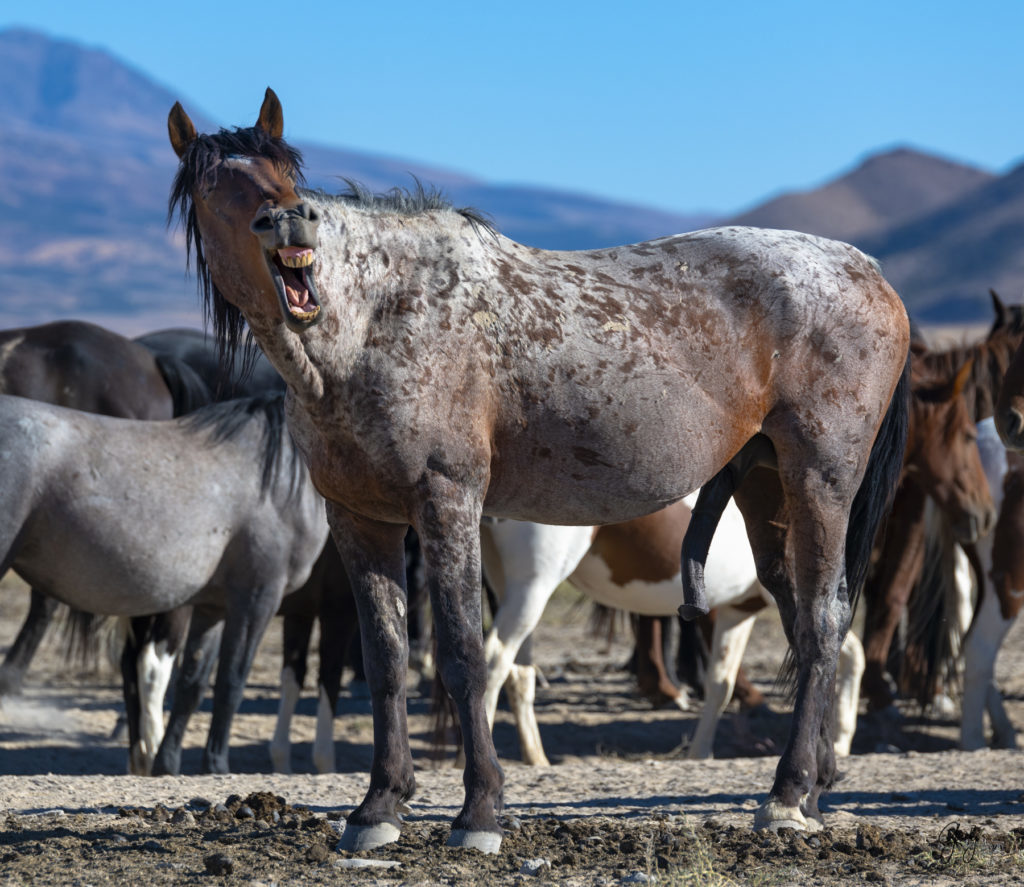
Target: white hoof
{"x": 357, "y": 838}
{"x": 772, "y": 816}
{"x": 485, "y": 842}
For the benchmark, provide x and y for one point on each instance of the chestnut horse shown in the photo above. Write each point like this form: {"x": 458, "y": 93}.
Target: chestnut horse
{"x": 438, "y": 372}
{"x": 902, "y": 550}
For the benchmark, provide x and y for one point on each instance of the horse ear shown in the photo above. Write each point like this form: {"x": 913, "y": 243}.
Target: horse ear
{"x": 271, "y": 116}
{"x": 999, "y": 308}
{"x": 963, "y": 374}
{"x": 180, "y": 129}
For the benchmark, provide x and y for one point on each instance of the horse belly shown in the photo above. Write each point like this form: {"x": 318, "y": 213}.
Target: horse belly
{"x": 635, "y": 455}
{"x": 593, "y": 577}
{"x": 116, "y": 569}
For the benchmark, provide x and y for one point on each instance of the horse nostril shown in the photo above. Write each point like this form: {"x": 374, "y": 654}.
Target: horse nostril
{"x": 261, "y": 224}
{"x": 308, "y": 212}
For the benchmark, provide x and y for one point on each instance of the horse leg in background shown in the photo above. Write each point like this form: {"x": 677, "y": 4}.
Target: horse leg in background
{"x": 374, "y": 555}
{"x": 986, "y": 636}
{"x": 204, "y": 636}
{"x": 147, "y": 660}
{"x": 40, "y": 614}
{"x": 743, "y": 691}
{"x": 521, "y": 688}
{"x": 247, "y": 616}
{"x": 653, "y": 679}
{"x": 887, "y": 590}
{"x": 297, "y": 628}
{"x": 421, "y": 639}
{"x": 524, "y": 564}
{"x": 338, "y": 629}
{"x": 732, "y": 629}
{"x": 848, "y": 678}
{"x": 692, "y": 654}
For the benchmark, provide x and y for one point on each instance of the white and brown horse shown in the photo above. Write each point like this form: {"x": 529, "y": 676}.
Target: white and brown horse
{"x": 438, "y": 372}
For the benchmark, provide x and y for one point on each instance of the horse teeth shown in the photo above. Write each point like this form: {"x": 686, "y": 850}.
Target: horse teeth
{"x": 301, "y": 260}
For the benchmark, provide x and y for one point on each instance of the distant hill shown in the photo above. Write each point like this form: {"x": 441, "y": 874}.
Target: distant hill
{"x": 85, "y": 169}
{"x": 885, "y": 190}
{"x": 944, "y": 232}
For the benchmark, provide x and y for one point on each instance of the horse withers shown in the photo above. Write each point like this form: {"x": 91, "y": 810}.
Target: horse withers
{"x": 438, "y": 371}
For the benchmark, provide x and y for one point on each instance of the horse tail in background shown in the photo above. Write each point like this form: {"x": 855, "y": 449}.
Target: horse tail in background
{"x": 931, "y": 654}
{"x": 188, "y": 389}
{"x": 874, "y": 497}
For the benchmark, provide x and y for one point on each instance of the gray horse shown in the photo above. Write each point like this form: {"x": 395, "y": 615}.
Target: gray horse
{"x": 128, "y": 518}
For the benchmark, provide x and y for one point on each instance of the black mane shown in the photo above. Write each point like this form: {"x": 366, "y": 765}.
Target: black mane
{"x": 228, "y": 418}
{"x": 198, "y": 171}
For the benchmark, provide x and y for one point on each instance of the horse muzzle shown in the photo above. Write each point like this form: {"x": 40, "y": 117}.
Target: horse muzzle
{"x": 289, "y": 241}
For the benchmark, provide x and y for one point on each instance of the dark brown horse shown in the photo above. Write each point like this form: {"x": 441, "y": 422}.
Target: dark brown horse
{"x": 900, "y": 559}
{"x": 438, "y": 371}
{"x": 942, "y": 461}
{"x": 1009, "y": 408}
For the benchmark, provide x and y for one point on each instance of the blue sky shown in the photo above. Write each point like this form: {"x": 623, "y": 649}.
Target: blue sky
{"x": 678, "y": 105}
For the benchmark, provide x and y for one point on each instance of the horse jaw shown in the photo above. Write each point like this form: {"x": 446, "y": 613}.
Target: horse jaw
{"x": 291, "y": 269}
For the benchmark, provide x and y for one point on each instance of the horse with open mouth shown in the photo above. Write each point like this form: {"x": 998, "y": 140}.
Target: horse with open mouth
{"x": 438, "y": 371}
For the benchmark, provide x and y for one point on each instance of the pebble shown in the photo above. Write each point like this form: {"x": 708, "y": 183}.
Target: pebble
{"x": 219, "y": 864}
{"x": 244, "y": 812}
{"x": 639, "y": 878}
{"x": 355, "y": 863}
{"x": 534, "y": 867}
{"x": 183, "y": 817}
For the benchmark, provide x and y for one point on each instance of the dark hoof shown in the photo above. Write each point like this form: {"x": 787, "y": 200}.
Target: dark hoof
{"x": 485, "y": 842}
{"x": 357, "y": 838}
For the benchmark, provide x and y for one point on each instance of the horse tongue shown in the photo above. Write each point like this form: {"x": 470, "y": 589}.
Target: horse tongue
{"x": 297, "y": 298}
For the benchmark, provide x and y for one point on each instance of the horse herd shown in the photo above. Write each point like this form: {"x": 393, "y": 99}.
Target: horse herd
{"x": 752, "y": 399}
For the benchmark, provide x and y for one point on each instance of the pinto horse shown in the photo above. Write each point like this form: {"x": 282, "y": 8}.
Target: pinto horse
{"x": 438, "y": 372}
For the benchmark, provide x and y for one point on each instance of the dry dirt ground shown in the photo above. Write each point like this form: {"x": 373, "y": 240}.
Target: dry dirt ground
{"x": 620, "y": 805}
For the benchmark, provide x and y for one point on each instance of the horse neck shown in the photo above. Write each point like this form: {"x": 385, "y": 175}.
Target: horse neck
{"x": 990, "y": 358}
{"x": 369, "y": 264}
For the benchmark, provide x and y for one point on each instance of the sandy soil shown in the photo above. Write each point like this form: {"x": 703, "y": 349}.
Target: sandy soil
{"x": 620, "y": 805}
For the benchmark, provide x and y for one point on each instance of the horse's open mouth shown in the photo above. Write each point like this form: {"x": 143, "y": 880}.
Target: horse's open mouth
{"x": 291, "y": 267}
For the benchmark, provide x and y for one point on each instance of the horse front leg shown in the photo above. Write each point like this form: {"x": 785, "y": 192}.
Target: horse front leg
{"x": 374, "y": 555}
{"x": 247, "y": 617}
{"x": 193, "y": 676}
{"x": 448, "y": 526}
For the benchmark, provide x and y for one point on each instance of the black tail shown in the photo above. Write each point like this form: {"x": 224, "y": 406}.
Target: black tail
{"x": 188, "y": 389}
{"x": 874, "y": 498}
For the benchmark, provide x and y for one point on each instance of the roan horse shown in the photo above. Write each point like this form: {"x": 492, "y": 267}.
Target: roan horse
{"x": 438, "y": 372}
